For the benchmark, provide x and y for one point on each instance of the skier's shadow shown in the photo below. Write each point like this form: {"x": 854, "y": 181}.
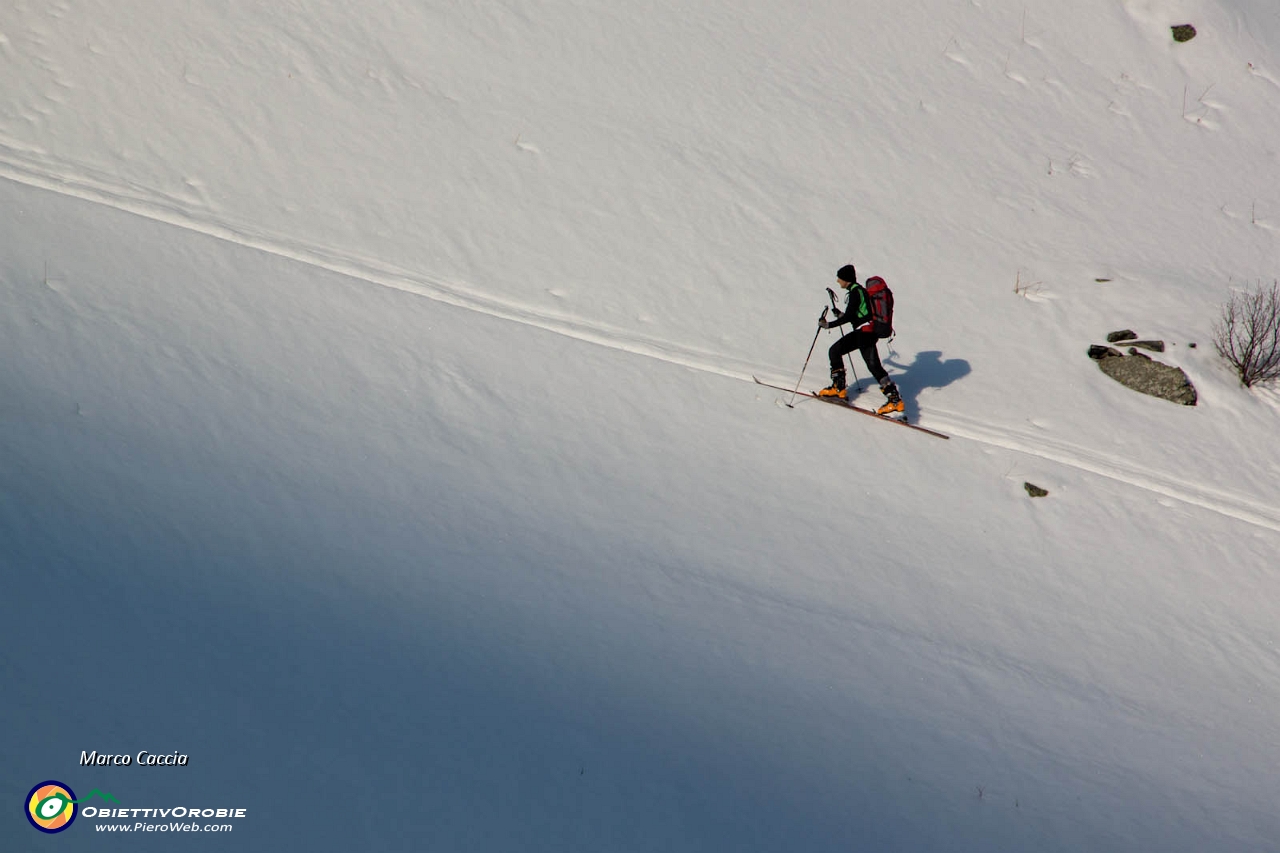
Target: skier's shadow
{"x": 928, "y": 370}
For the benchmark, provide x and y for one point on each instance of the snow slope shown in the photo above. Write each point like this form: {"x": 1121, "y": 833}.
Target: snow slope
{"x": 376, "y": 425}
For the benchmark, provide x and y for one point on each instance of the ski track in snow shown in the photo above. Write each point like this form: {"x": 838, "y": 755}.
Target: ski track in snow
{"x": 155, "y": 206}
{"x": 1025, "y": 441}
{"x": 158, "y": 207}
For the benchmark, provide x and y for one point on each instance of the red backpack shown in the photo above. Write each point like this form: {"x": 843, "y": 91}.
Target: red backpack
{"x": 881, "y": 299}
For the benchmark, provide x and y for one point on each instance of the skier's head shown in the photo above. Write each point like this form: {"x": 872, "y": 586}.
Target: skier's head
{"x": 847, "y": 275}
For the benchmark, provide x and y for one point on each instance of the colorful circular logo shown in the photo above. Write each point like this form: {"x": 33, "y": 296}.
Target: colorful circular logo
{"x": 51, "y": 806}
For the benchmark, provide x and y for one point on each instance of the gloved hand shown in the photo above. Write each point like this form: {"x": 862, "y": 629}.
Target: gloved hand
{"x": 822, "y": 321}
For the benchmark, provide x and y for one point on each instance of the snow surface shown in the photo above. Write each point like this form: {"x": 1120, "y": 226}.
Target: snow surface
{"x": 376, "y": 423}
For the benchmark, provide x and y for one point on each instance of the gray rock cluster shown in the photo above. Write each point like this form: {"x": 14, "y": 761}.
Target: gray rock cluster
{"x": 1140, "y": 372}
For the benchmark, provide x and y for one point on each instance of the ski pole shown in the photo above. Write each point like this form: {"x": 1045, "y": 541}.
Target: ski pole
{"x": 834, "y": 307}
{"x": 816, "y": 332}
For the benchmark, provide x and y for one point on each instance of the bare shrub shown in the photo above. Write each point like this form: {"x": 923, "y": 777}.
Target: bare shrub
{"x": 1248, "y": 335}
{"x": 1026, "y": 289}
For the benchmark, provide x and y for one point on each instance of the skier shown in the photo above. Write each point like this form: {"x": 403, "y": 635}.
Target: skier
{"x": 864, "y": 337}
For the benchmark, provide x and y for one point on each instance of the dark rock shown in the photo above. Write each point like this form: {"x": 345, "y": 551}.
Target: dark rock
{"x": 1147, "y": 376}
{"x": 1183, "y": 32}
{"x": 1124, "y": 335}
{"x": 1154, "y": 346}
{"x": 1034, "y": 490}
{"x": 1098, "y": 351}
{"x": 1135, "y": 353}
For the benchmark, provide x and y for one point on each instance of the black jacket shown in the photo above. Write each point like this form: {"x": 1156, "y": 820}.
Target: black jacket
{"x": 857, "y": 310}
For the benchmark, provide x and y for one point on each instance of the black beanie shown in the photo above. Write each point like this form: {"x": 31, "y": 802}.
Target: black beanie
{"x": 848, "y": 273}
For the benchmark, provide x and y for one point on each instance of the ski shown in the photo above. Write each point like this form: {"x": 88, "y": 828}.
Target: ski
{"x": 847, "y": 405}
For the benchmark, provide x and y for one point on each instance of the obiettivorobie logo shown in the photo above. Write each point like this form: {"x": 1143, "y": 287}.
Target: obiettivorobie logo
{"x": 51, "y": 805}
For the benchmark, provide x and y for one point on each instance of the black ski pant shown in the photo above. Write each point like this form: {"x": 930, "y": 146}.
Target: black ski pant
{"x": 864, "y": 342}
